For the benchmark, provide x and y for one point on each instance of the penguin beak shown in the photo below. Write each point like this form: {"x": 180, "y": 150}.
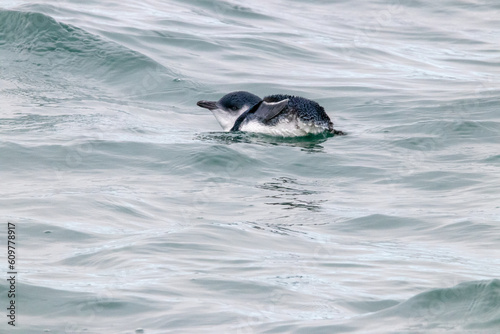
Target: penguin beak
{"x": 210, "y": 105}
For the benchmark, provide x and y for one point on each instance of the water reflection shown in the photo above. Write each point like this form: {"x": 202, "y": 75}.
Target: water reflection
{"x": 290, "y": 194}
{"x": 310, "y": 143}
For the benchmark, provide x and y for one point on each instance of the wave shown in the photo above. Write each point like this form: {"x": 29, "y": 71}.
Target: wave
{"x": 58, "y": 57}
{"x": 468, "y": 306}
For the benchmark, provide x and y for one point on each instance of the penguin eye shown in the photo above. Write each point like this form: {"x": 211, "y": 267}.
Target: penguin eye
{"x": 234, "y": 108}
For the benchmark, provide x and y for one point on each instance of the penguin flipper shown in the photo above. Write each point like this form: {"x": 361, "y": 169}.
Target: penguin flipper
{"x": 239, "y": 120}
{"x": 263, "y": 111}
{"x": 269, "y": 110}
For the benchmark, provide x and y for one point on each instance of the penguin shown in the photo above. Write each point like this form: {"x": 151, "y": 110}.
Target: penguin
{"x": 276, "y": 115}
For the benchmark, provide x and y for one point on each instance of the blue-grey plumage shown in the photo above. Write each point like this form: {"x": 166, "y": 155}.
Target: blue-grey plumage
{"x": 306, "y": 110}
{"x": 282, "y": 115}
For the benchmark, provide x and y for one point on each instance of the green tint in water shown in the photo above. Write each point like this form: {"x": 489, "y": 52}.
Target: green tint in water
{"x": 130, "y": 207}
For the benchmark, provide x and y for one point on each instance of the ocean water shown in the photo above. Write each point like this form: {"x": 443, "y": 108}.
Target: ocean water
{"x": 134, "y": 213}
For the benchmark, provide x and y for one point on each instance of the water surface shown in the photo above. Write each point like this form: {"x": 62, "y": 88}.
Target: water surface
{"x": 135, "y": 213}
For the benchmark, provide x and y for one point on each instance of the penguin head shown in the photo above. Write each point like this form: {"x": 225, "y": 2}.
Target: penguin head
{"x": 230, "y": 107}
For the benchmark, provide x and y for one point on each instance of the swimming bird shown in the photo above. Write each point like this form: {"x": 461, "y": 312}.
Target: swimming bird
{"x": 278, "y": 115}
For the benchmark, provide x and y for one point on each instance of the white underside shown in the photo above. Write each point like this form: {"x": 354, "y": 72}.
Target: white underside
{"x": 283, "y": 129}
{"x": 286, "y": 128}
{"x": 226, "y": 119}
